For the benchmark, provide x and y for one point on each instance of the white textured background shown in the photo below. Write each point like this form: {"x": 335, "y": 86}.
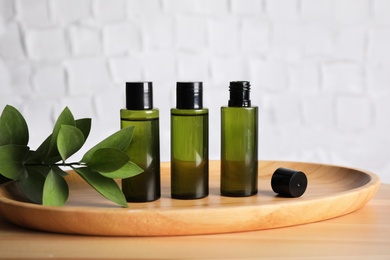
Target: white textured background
{"x": 320, "y": 69}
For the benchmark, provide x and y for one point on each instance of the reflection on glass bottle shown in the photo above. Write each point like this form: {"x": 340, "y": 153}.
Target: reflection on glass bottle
{"x": 189, "y": 143}
{"x": 144, "y": 149}
{"x": 239, "y": 143}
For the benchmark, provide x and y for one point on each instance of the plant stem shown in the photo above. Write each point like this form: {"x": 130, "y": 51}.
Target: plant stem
{"x": 54, "y": 164}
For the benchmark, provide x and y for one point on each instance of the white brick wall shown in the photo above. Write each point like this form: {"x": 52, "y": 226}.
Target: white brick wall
{"x": 121, "y": 38}
{"x": 65, "y": 12}
{"x": 46, "y": 44}
{"x": 85, "y": 41}
{"x": 320, "y": 69}
{"x": 44, "y": 79}
{"x": 11, "y": 42}
{"x": 87, "y": 75}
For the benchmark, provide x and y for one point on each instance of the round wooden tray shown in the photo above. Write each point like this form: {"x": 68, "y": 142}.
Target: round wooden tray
{"x": 332, "y": 191}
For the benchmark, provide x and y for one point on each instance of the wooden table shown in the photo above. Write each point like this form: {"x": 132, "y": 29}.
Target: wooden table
{"x": 364, "y": 234}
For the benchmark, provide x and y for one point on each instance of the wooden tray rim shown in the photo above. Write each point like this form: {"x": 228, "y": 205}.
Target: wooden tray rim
{"x": 371, "y": 187}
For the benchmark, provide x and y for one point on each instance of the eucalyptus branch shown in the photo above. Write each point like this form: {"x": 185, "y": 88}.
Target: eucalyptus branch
{"x": 56, "y": 164}
{"x": 38, "y": 172}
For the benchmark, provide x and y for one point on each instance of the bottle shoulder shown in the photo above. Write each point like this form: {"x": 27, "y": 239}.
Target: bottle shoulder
{"x": 184, "y": 112}
{"x": 239, "y": 108}
{"x": 140, "y": 114}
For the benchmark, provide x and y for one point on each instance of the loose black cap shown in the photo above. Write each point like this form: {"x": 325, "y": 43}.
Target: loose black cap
{"x": 288, "y": 182}
{"x": 189, "y": 95}
{"x": 239, "y": 94}
{"x": 139, "y": 95}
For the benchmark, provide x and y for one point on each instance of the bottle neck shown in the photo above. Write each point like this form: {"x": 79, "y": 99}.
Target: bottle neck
{"x": 239, "y": 94}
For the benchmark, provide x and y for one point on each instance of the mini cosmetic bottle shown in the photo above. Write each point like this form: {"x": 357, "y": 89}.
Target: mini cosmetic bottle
{"x": 144, "y": 149}
{"x": 189, "y": 143}
{"x": 239, "y": 143}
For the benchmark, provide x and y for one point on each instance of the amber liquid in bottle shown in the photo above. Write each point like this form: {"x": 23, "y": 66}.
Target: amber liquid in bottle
{"x": 239, "y": 143}
{"x": 144, "y": 149}
{"x": 189, "y": 144}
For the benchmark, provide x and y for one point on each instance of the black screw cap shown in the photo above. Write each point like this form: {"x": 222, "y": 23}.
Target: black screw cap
{"x": 189, "y": 95}
{"x": 139, "y": 95}
{"x": 289, "y": 183}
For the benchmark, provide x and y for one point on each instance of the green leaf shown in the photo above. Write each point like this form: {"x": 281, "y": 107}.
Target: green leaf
{"x": 130, "y": 169}
{"x": 69, "y": 140}
{"x": 119, "y": 140}
{"x": 39, "y": 156}
{"x": 41, "y": 169}
{"x": 12, "y": 158}
{"x": 105, "y": 186}
{"x": 65, "y": 118}
{"x": 107, "y": 160}
{"x": 84, "y": 124}
{"x": 59, "y": 171}
{"x": 13, "y": 127}
{"x": 4, "y": 179}
{"x": 32, "y": 186}
{"x": 55, "y": 189}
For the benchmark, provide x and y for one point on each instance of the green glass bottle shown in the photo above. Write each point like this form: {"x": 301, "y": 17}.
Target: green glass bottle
{"x": 144, "y": 149}
{"x": 189, "y": 143}
{"x": 239, "y": 143}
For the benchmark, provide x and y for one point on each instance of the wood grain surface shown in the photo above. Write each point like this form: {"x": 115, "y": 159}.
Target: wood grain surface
{"x": 332, "y": 191}
{"x": 363, "y": 234}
